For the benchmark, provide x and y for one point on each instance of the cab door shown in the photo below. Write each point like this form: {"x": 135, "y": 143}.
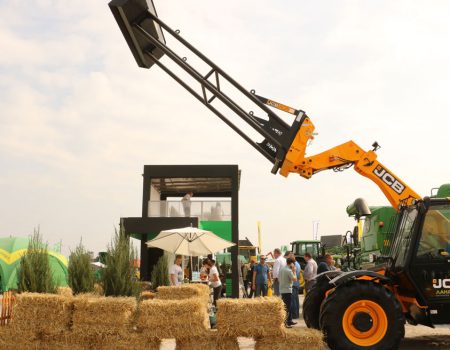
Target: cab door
{"x": 430, "y": 265}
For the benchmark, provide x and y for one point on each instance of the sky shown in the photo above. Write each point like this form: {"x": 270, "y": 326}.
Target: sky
{"x": 79, "y": 118}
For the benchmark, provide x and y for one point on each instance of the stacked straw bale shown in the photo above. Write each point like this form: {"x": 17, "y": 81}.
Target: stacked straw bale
{"x": 179, "y": 319}
{"x": 209, "y": 341}
{"x": 254, "y": 318}
{"x": 146, "y": 295}
{"x": 40, "y": 317}
{"x": 293, "y": 338}
{"x": 184, "y": 291}
{"x": 98, "y": 321}
{"x": 64, "y": 291}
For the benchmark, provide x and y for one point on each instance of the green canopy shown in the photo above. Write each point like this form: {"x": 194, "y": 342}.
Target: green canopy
{"x": 12, "y": 249}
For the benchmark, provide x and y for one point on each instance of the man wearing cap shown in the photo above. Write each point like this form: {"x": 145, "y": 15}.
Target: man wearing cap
{"x": 279, "y": 263}
{"x": 261, "y": 277}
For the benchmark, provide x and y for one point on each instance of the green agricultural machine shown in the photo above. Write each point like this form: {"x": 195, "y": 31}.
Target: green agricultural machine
{"x": 370, "y": 237}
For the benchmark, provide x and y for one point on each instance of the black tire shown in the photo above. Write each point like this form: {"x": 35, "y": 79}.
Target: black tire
{"x": 313, "y": 301}
{"x": 336, "y": 311}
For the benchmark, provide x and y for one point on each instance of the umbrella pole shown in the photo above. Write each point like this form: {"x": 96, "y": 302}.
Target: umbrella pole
{"x": 191, "y": 269}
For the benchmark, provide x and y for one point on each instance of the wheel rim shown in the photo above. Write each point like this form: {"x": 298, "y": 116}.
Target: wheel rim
{"x": 365, "y": 323}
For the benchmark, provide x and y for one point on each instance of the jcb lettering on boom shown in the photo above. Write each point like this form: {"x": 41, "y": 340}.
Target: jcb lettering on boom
{"x": 389, "y": 179}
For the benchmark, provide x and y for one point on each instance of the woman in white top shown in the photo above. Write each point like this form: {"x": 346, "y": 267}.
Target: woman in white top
{"x": 214, "y": 280}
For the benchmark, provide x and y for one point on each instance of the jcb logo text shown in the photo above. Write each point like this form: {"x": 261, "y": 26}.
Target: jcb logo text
{"x": 389, "y": 179}
{"x": 441, "y": 283}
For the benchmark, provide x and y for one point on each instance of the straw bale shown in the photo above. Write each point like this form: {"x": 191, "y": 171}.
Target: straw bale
{"x": 250, "y": 317}
{"x": 209, "y": 341}
{"x": 184, "y": 291}
{"x": 97, "y": 319}
{"x": 294, "y": 338}
{"x": 64, "y": 291}
{"x": 178, "y": 319}
{"x": 124, "y": 341}
{"x": 41, "y": 316}
{"x": 133, "y": 340}
{"x": 147, "y": 295}
{"x": 98, "y": 289}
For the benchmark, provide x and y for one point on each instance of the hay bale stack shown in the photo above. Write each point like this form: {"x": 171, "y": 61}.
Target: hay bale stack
{"x": 133, "y": 341}
{"x": 98, "y": 289}
{"x": 100, "y": 320}
{"x": 146, "y": 295}
{"x": 203, "y": 289}
{"x": 210, "y": 340}
{"x": 179, "y": 319}
{"x": 294, "y": 338}
{"x": 250, "y": 317}
{"x": 184, "y": 291}
{"x": 38, "y": 317}
{"x": 65, "y": 291}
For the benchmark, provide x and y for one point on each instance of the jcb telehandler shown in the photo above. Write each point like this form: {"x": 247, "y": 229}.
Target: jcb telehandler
{"x": 364, "y": 309}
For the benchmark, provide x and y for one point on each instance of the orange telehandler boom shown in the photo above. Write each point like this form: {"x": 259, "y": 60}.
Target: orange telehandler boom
{"x": 283, "y": 145}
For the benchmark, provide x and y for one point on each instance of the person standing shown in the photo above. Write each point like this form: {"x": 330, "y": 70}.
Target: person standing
{"x": 286, "y": 277}
{"x": 250, "y": 277}
{"x": 186, "y": 202}
{"x": 244, "y": 270}
{"x": 214, "y": 280}
{"x": 261, "y": 277}
{"x": 279, "y": 263}
{"x": 176, "y": 272}
{"x": 295, "y": 303}
{"x": 204, "y": 271}
{"x": 327, "y": 265}
{"x": 310, "y": 272}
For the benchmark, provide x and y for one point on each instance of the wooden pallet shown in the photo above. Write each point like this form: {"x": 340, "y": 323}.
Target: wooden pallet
{"x": 6, "y": 307}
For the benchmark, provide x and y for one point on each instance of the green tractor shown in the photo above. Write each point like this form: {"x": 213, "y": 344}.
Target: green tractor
{"x": 299, "y": 248}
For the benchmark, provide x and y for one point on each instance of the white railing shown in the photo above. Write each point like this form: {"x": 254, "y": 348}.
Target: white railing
{"x": 205, "y": 210}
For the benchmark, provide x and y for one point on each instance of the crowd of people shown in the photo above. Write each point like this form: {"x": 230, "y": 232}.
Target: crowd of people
{"x": 282, "y": 279}
{"x": 208, "y": 273}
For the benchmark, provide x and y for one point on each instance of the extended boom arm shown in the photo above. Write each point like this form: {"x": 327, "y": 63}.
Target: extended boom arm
{"x": 340, "y": 158}
{"x": 282, "y": 144}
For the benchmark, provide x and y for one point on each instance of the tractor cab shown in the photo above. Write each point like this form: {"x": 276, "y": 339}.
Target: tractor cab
{"x": 419, "y": 260}
{"x": 299, "y": 248}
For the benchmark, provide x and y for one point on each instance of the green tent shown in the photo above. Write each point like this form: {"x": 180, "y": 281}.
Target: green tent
{"x": 12, "y": 249}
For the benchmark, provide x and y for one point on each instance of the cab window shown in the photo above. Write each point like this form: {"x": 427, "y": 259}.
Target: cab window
{"x": 435, "y": 240}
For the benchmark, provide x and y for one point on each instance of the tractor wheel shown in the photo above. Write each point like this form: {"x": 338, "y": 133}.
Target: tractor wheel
{"x": 313, "y": 301}
{"x": 362, "y": 315}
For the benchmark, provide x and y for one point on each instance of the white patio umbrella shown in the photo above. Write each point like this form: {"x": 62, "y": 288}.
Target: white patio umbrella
{"x": 98, "y": 264}
{"x": 189, "y": 241}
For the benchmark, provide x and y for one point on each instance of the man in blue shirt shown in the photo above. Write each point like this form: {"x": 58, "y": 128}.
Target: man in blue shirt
{"x": 261, "y": 277}
{"x": 295, "y": 302}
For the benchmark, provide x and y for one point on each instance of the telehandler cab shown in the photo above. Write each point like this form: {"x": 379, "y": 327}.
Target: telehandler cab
{"x": 363, "y": 309}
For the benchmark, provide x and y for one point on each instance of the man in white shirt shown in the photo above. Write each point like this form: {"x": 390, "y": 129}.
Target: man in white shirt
{"x": 214, "y": 280}
{"x": 279, "y": 263}
{"x": 176, "y": 272}
{"x": 310, "y": 272}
